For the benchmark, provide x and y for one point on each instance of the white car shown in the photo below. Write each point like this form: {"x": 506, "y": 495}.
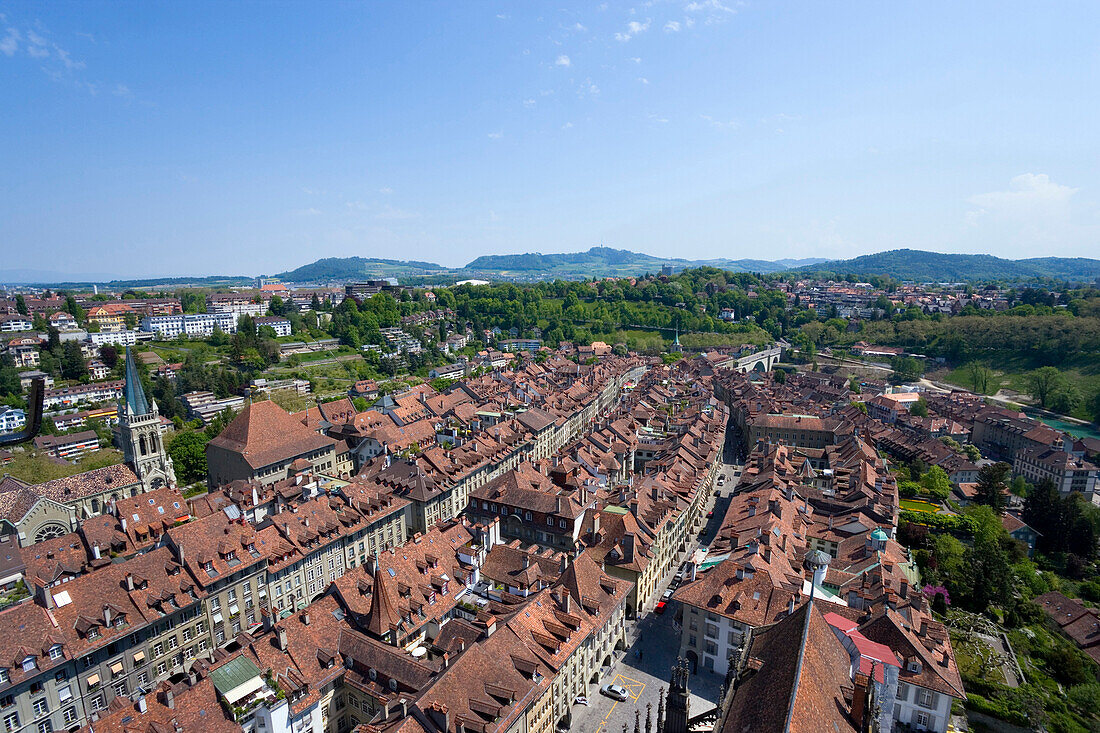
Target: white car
{"x": 616, "y": 692}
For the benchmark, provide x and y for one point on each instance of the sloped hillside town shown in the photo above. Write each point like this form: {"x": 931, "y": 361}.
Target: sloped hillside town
{"x": 495, "y": 555}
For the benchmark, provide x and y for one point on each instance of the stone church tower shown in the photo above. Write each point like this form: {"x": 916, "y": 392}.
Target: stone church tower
{"x": 139, "y": 433}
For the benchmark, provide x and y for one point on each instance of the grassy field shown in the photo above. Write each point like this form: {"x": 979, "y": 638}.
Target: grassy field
{"x": 35, "y": 468}
{"x": 1010, "y": 373}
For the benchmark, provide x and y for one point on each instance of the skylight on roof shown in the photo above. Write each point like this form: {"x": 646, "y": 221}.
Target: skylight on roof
{"x": 391, "y": 572}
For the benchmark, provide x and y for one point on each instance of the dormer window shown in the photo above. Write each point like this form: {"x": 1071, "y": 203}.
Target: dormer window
{"x": 393, "y": 685}
{"x": 93, "y": 633}
{"x": 231, "y": 555}
{"x": 208, "y": 566}
{"x": 55, "y": 652}
{"x": 372, "y": 674}
{"x": 29, "y": 664}
{"x": 914, "y": 666}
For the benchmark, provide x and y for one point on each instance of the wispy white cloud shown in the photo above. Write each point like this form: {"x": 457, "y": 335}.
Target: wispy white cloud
{"x": 563, "y": 60}
{"x": 307, "y": 212}
{"x": 672, "y": 27}
{"x": 1028, "y": 194}
{"x": 121, "y": 90}
{"x": 36, "y": 46}
{"x": 66, "y": 59}
{"x": 579, "y": 28}
{"x": 636, "y": 59}
{"x": 9, "y": 44}
{"x": 529, "y": 103}
{"x": 657, "y": 118}
{"x": 385, "y": 190}
{"x": 588, "y": 88}
{"x": 709, "y": 11}
{"x": 728, "y": 125}
{"x": 643, "y": 80}
{"x": 1033, "y": 215}
{"x": 496, "y": 135}
{"x": 700, "y": 5}
{"x": 394, "y": 214}
{"x": 567, "y": 126}
{"x": 633, "y": 28}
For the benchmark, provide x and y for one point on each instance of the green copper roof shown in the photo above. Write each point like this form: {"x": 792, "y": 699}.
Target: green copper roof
{"x": 878, "y": 535}
{"x": 234, "y": 674}
{"x": 136, "y": 404}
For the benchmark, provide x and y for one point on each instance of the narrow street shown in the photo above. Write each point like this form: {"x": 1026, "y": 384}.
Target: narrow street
{"x": 653, "y": 642}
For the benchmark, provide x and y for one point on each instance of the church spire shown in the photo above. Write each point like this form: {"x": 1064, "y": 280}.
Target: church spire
{"x": 136, "y": 404}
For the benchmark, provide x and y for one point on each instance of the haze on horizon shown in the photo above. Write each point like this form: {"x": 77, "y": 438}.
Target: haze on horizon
{"x": 168, "y": 139}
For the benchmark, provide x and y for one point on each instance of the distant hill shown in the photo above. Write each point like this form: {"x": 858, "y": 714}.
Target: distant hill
{"x": 596, "y": 262}
{"x": 349, "y": 268}
{"x": 921, "y": 266}
{"x": 605, "y": 261}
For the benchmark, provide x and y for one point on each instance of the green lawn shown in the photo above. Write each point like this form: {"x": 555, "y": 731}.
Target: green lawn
{"x": 915, "y": 505}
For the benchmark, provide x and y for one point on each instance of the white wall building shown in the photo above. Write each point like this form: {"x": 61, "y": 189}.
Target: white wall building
{"x": 12, "y": 419}
{"x": 189, "y": 324}
{"x": 118, "y": 338}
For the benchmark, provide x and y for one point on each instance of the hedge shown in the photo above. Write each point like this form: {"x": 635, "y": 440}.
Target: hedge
{"x": 945, "y": 522}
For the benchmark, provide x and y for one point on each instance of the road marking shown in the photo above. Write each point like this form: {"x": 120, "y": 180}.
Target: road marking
{"x": 634, "y": 688}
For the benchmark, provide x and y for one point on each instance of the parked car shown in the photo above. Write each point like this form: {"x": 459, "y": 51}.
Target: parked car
{"x": 660, "y": 607}
{"x": 667, "y": 595}
{"x": 615, "y": 692}
{"x": 581, "y": 700}
{"x": 710, "y": 514}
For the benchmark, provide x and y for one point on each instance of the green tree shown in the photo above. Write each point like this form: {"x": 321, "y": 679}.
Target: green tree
{"x": 72, "y": 361}
{"x": 936, "y": 482}
{"x": 919, "y": 408}
{"x": 906, "y": 369}
{"x": 73, "y": 309}
{"x": 188, "y": 452}
{"x": 1044, "y": 382}
{"x": 1065, "y": 399}
{"x": 992, "y": 483}
{"x": 986, "y": 578}
{"x": 9, "y": 377}
{"x": 21, "y": 305}
{"x": 980, "y": 377}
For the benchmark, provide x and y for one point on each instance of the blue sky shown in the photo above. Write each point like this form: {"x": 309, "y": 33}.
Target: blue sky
{"x": 193, "y": 138}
